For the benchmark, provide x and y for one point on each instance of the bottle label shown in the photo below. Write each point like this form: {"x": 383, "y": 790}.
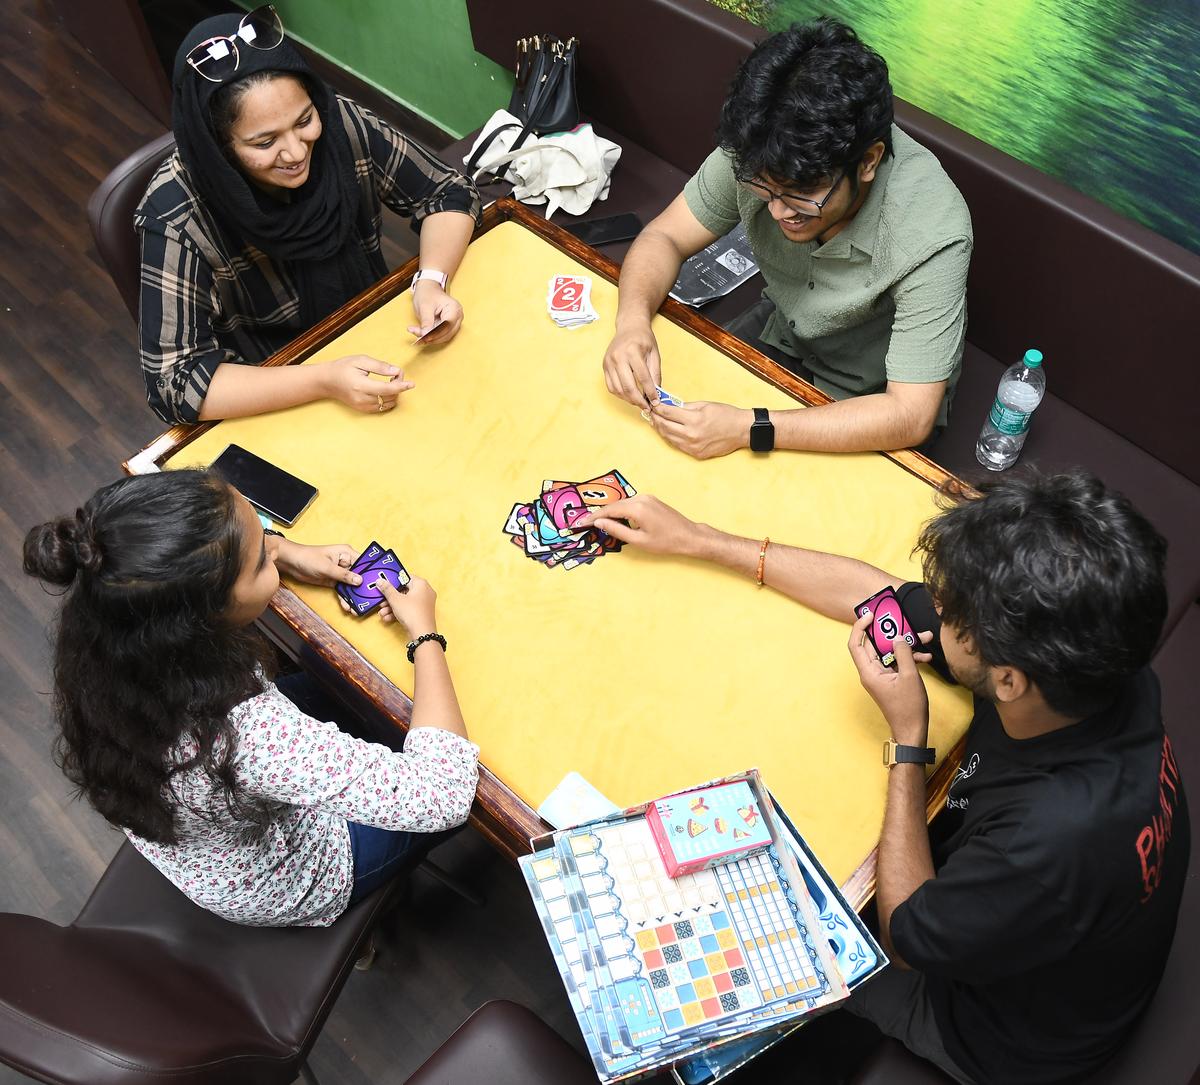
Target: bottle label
{"x": 1007, "y": 420}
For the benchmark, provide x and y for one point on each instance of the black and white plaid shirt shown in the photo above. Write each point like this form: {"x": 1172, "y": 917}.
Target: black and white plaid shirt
{"x": 208, "y": 297}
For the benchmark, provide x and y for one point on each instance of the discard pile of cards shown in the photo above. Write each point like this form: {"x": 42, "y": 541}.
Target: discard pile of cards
{"x": 374, "y": 564}
{"x": 545, "y": 527}
{"x": 569, "y": 301}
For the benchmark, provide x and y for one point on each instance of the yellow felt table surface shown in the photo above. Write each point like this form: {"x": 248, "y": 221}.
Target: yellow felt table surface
{"x": 645, "y": 674}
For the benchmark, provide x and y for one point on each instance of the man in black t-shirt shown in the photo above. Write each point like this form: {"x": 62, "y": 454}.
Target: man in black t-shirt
{"x": 1030, "y": 926}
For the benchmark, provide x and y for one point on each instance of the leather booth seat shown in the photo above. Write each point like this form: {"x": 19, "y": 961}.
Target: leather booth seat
{"x": 1062, "y": 436}
{"x": 110, "y": 215}
{"x": 145, "y": 986}
{"x": 503, "y": 1043}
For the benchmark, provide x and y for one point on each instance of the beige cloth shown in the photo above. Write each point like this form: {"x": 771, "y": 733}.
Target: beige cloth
{"x": 570, "y": 170}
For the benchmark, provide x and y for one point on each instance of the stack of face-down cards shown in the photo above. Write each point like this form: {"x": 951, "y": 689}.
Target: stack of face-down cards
{"x": 373, "y": 564}
{"x": 546, "y": 530}
{"x": 569, "y": 301}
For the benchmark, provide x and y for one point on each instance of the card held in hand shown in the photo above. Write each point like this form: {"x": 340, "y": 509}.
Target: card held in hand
{"x": 373, "y": 564}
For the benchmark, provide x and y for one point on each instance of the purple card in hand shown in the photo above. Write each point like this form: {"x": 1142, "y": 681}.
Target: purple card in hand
{"x": 373, "y": 564}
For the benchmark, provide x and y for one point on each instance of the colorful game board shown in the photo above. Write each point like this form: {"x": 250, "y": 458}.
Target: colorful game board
{"x": 859, "y": 957}
{"x": 660, "y": 968}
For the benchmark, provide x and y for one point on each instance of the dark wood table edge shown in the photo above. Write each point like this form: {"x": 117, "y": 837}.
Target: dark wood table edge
{"x": 292, "y": 626}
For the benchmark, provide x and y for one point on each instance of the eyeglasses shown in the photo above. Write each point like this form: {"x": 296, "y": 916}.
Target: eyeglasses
{"x": 217, "y": 58}
{"x": 800, "y": 204}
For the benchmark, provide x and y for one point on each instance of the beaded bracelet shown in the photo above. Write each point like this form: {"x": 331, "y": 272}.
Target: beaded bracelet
{"x": 413, "y": 645}
{"x": 762, "y": 561}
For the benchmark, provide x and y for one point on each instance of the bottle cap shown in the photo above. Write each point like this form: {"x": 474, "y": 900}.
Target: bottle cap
{"x": 1033, "y": 358}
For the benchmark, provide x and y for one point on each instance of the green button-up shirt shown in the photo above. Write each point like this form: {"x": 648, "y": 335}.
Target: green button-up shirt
{"x": 885, "y": 298}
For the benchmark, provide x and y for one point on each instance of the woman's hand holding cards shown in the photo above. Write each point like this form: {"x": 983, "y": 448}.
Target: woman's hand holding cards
{"x": 349, "y": 381}
{"x": 324, "y": 565}
{"x": 413, "y": 608}
{"x": 434, "y": 306}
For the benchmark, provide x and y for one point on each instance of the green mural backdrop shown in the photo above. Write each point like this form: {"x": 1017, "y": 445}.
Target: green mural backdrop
{"x": 1103, "y": 94}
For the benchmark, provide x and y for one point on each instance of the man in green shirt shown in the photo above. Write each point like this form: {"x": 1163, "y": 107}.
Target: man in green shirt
{"x": 862, "y": 239}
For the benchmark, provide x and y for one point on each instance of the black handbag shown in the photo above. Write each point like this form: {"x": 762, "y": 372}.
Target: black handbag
{"x": 543, "y": 97}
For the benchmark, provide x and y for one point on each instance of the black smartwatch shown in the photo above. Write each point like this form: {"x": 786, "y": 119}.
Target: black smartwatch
{"x": 762, "y": 431}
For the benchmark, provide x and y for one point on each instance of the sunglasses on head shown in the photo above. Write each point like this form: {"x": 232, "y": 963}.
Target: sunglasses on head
{"x": 217, "y": 58}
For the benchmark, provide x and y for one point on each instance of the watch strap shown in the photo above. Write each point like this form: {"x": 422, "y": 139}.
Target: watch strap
{"x": 895, "y": 754}
{"x": 439, "y": 277}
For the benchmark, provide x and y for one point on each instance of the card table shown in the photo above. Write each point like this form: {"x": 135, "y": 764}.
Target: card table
{"x": 643, "y": 673}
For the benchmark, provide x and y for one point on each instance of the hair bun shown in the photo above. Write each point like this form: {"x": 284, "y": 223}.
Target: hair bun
{"x": 57, "y": 550}
{"x": 87, "y": 552}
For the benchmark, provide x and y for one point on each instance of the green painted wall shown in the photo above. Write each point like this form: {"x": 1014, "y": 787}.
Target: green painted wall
{"x": 418, "y": 51}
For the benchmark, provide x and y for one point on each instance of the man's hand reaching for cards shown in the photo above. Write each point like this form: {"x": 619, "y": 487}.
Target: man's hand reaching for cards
{"x": 349, "y": 381}
{"x": 432, "y": 304}
{"x": 647, "y": 522}
{"x": 632, "y": 366}
{"x": 324, "y": 565}
{"x": 413, "y": 608}
{"x": 702, "y": 430}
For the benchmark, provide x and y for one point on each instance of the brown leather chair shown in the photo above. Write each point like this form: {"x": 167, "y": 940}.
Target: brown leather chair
{"x": 503, "y": 1043}
{"x": 110, "y": 215}
{"x": 145, "y": 986}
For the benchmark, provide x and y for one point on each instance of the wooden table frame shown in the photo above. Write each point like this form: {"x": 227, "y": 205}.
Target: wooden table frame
{"x": 498, "y": 813}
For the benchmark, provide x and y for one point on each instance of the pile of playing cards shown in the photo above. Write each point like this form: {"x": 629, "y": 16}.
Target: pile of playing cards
{"x": 545, "y": 527}
{"x": 569, "y": 301}
{"x": 373, "y": 564}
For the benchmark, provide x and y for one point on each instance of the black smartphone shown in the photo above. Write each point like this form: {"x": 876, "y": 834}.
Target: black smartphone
{"x": 268, "y": 488}
{"x": 606, "y": 231}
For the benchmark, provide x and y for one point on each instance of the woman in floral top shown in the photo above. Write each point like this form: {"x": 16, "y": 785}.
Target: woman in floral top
{"x": 172, "y": 729}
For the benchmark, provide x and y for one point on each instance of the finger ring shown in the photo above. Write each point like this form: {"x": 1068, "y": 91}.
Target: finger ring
{"x": 862, "y": 641}
{"x": 380, "y": 401}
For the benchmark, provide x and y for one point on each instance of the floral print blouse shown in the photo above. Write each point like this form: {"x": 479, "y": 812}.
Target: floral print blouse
{"x": 301, "y": 870}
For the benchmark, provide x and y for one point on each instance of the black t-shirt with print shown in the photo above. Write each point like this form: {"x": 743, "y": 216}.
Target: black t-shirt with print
{"x": 1060, "y": 865}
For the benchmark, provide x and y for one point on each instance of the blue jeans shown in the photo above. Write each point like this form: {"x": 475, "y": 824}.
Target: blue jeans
{"x": 379, "y": 854}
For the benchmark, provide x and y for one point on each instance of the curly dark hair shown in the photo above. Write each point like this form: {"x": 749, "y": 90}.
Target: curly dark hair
{"x": 1054, "y": 575}
{"x": 806, "y": 104}
{"x": 142, "y": 656}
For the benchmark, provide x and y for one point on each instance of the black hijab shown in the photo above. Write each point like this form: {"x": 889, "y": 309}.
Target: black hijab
{"x": 314, "y": 233}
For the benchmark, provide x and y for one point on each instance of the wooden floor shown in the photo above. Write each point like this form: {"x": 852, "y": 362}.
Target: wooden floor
{"x": 72, "y": 406}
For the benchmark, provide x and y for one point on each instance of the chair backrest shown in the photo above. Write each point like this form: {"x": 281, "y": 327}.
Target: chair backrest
{"x": 110, "y": 215}
{"x": 97, "y": 1007}
{"x": 145, "y": 986}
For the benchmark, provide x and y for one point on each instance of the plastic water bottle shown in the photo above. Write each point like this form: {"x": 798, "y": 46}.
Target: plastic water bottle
{"x": 1021, "y": 390}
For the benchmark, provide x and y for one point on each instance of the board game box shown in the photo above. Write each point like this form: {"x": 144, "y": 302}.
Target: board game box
{"x": 707, "y": 826}
{"x": 660, "y": 969}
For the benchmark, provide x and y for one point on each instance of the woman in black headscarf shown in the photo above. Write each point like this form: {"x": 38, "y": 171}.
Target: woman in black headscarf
{"x": 267, "y": 218}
